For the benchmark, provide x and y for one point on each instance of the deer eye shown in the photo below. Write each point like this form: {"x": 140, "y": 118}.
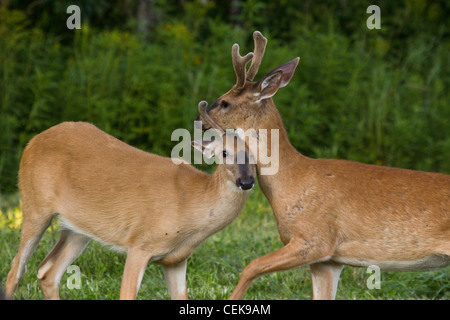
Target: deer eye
{"x": 224, "y": 154}
{"x": 224, "y": 104}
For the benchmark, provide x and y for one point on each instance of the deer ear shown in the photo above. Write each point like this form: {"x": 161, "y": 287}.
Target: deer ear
{"x": 204, "y": 146}
{"x": 277, "y": 78}
{"x": 269, "y": 85}
{"x": 288, "y": 71}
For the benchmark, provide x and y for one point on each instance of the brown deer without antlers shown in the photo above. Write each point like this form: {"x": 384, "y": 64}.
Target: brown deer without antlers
{"x": 135, "y": 201}
{"x": 332, "y": 213}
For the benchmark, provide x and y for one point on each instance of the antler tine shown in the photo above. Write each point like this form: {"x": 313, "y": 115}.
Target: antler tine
{"x": 239, "y": 64}
{"x": 260, "y": 47}
{"x": 205, "y": 116}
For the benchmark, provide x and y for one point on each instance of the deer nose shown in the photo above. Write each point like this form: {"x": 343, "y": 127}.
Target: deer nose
{"x": 246, "y": 183}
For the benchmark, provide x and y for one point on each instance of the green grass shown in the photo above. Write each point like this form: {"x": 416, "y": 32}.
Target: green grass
{"x": 214, "y": 267}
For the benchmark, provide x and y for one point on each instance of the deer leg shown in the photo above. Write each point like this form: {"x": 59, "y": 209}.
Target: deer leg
{"x": 51, "y": 270}
{"x": 325, "y": 277}
{"x": 296, "y": 253}
{"x": 32, "y": 231}
{"x": 135, "y": 265}
{"x": 175, "y": 275}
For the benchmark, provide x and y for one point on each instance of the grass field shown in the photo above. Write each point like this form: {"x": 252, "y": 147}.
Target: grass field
{"x": 214, "y": 267}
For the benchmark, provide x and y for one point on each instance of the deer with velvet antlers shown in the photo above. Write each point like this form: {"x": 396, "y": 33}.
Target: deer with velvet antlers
{"x": 135, "y": 201}
{"x": 332, "y": 213}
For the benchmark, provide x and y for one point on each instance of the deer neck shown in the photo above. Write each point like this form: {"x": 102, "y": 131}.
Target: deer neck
{"x": 285, "y": 159}
{"x": 229, "y": 199}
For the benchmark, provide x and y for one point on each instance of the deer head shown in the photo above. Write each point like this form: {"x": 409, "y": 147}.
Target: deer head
{"x": 231, "y": 151}
{"x": 248, "y": 102}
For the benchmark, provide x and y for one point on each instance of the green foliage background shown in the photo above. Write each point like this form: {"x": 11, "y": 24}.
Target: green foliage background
{"x": 376, "y": 96}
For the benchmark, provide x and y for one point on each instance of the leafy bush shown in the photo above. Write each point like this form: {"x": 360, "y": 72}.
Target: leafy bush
{"x": 372, "y": 96}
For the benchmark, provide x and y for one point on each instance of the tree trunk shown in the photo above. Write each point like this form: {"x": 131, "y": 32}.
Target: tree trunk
{"x": 146, "y": 17}
{"x": 235, "y": 13}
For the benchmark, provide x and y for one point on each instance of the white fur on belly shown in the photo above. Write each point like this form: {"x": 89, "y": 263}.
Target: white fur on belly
{"x": 428, "y": 263}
